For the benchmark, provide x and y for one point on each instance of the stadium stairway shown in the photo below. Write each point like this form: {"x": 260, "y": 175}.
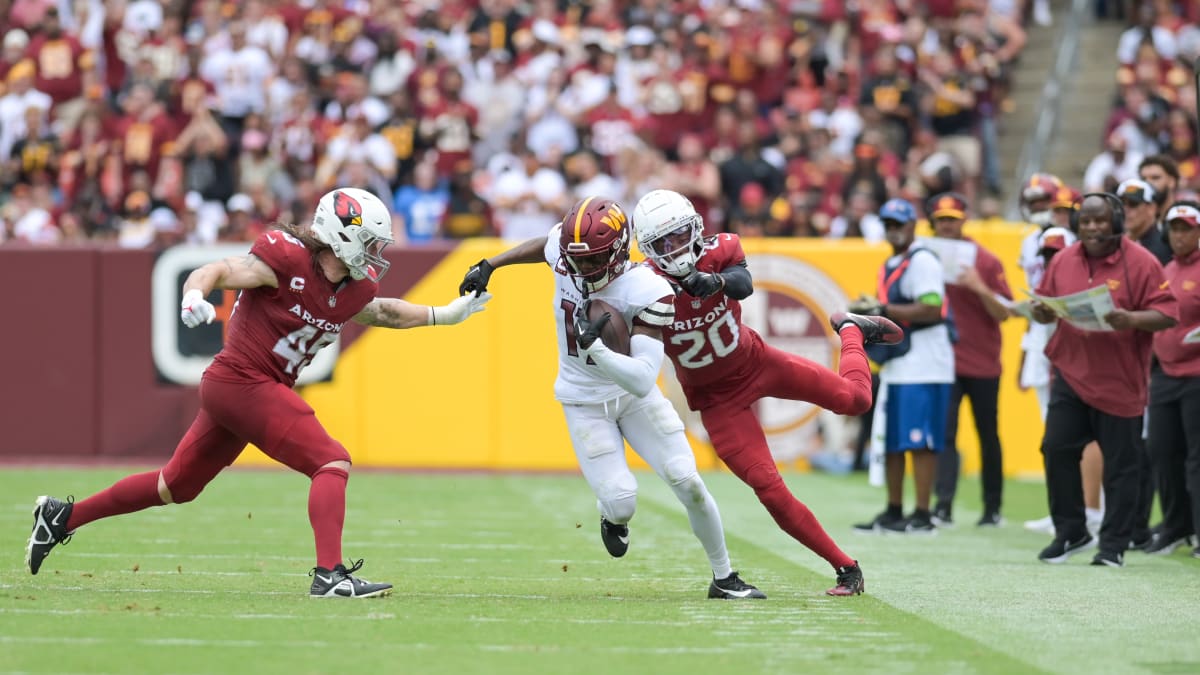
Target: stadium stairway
{"x": 1064, "y": 82}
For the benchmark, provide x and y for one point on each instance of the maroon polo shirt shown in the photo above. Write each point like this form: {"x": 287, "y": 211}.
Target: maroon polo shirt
{"x": 1109, "y": 370}
{"x": 1176, "y": 358}
{"x": 977, "y": 352}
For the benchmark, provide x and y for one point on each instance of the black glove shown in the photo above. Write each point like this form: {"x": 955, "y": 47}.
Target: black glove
{"x": 476, "y": 278}
{"x": 586, "y": 330}
{"x": 702, "y": 284}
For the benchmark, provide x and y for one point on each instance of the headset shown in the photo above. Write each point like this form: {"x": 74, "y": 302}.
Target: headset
{"x": 1114, "y": 202}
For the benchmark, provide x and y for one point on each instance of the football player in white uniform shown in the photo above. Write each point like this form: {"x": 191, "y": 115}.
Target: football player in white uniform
{"x": 607, "y": 397}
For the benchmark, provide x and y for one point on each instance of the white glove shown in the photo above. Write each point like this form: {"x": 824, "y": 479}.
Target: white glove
{"x": 196, "y": 310}
{"x": 458, "y": 310}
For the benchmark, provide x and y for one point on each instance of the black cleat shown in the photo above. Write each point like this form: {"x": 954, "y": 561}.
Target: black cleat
{"x": 990, "y": 518}
{"x": 615, "y": 537}
{"x": 921, "y": 523}
{"x": 943, "y": 515}
{"x": 339, "y": 583}
{"x": 1108, "y": 559}
{"x": 849, "y": 581}
{"x": 1141, "y": 541}
{"x": 883, "y": 522}
{"x": 1164, "y": 543}
{"x": 50, "y": 518}
{"x": 733, "y": 588}
{"x": 875, "y": 329}
{"x": 1060, "y": 549}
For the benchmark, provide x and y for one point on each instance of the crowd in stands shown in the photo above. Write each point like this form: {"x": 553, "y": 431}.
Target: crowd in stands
{"x": 154, "y": 122}
{"x": 1154, "y": 111}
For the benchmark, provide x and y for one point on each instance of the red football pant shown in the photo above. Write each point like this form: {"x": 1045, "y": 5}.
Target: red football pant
{"x": 268, "y": 414}
{"x": 738, "y": 437}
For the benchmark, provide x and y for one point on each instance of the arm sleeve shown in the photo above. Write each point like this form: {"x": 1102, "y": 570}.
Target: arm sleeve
{"x": 636, "y": 373}
{"x": 923, "y": 279}
{"x": 738, "y": 284}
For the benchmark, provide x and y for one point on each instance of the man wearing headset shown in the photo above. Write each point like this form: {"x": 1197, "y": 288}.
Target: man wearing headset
{"x": 1100, "y": 378}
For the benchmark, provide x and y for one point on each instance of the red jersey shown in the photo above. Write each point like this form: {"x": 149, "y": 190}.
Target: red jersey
{"x": 1109, "y": 370}
{"x": 275, "y": 332}
{"x": 977, "y": 352}
{"x": 1180, "y": 359}
{"x": 60, "y": 63}
{"x": 711, "y": 348}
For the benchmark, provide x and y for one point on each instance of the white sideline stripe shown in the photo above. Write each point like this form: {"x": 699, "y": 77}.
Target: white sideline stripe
{"x": 195, "y": 642}
{"x": 143, "y": 611}
{"x": 199, "y": 556}
{"x": 308, "y": 560}
{"x": 373, "y": 616}
{"x": 199, "y": 591}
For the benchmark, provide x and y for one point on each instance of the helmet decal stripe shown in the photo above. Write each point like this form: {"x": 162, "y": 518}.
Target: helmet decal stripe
{"x": 579, "y": 218}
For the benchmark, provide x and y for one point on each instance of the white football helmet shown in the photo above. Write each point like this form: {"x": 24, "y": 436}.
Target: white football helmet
{"x": 357, "y": 226}
{"x": 668, "y": 231}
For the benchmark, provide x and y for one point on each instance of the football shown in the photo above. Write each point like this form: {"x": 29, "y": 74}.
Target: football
{"x": 615, "y": 333}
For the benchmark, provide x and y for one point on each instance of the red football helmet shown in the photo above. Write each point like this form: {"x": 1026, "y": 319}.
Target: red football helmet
{"x": 1065, "y": 201}
{"x": 1036, "y": 195}
{"x": 594, "y": 243}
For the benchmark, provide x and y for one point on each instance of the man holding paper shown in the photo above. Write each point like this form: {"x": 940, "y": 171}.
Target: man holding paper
{"x": 1100, "y": 377}
{"x": 978, "y": 293}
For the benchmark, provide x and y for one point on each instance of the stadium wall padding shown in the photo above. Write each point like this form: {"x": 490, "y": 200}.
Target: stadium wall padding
{"x": 79, "y": 381}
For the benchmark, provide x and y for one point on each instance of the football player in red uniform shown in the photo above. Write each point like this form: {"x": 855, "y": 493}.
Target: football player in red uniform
{"x": 725, "y": 367}
{"x": 299, "y": 288}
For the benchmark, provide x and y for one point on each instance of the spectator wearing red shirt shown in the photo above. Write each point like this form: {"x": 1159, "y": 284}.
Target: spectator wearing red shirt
{"x": 1174, "y": 415}
{"x": 449, "y": 124}
{"x": 978, "y": 311}
{"x": 1099, "y": 388}
{"x": 60, "y": 60}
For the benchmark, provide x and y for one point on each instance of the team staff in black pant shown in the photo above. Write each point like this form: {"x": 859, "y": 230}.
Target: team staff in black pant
{"x": 1100, "y": 378}
{"x": 973, "y": 298}
{"x": 1175, "y": 391}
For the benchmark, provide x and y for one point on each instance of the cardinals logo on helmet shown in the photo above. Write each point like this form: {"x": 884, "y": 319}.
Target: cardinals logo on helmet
{"x": 347, "y": 209}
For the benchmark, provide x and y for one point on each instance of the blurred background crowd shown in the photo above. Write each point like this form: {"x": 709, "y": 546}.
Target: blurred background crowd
{"x": 1155, "y": 107}
{"x": 155, "y": 122}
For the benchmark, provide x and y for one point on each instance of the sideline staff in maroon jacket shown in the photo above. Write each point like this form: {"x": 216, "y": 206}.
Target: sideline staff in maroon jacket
{"x": 1174, "y": 441}
{"x": 977, "y": 316}
{"x": 1100, "y": 378}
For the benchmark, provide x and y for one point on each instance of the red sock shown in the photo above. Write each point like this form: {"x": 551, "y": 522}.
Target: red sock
{"x": 327, "y": 513}
{"x": 131, "y": 493}
{"x": 855, "y": 368}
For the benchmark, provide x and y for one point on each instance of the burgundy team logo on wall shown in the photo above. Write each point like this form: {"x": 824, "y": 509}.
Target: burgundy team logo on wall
{"x": 347, "y": 209}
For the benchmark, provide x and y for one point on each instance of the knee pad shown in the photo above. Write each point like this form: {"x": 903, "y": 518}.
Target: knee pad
{"x": 680, "y": 469}
{"x": 763, "y": 476}
{"x": 685, "y": 481}
{"x": 185, "y": 489}
{"x": 307, "y": 454}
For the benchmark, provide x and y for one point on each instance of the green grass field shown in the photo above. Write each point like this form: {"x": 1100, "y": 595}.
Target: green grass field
{"x": 506, "y": 574}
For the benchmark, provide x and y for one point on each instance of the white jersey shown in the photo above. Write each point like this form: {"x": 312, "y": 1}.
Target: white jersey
{"x": 1035, "y": 370}
{"x": 1031, "y": 260}
{"x": 930, "y": 360}
{"x": 639, "y": 294}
